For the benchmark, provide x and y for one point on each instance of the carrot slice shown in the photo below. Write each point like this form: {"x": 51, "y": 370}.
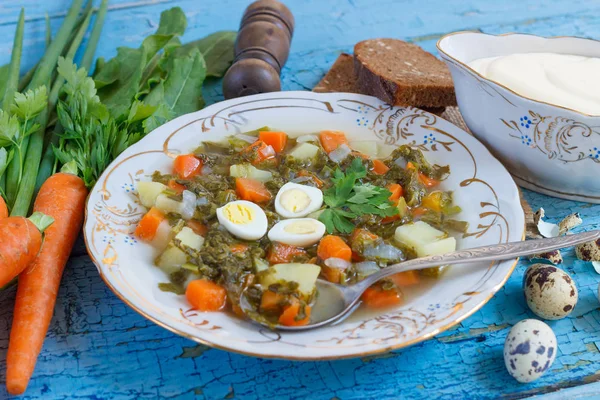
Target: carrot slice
{"x": 205, "y": 295}
{"x": 407, "y": 278}
{"x": 3, "y": 208}
{"x": 277, "y": 140}
{"x": 360, "y": 234}
{"x": 331, "y": 274}
{"x": 178, "y": 187}
{"x": 376, "y": 297}
{"x": 432, "y": 201}
{"x": 258, "y": 152}
{"x": 271, "y": 300}
{"x": 334, "y": 246}
{"x": 280, "y": 253}
{"x": 238, "y": 248}
{"x": 318, "y": 182}
{"x": 289, "y": 317}
{"x": 396, "y": 191}
{"x": 379, "y": 167}
{"x": 331, "y": 140}
{"x": 198, "y": 227}
{"x": 148, "y": 225}
{"x": 427, "y": 181}
{"x": 418, "y": 211}
{"x": 187, "y": 166}
{"x": 424, "y": 179}
{"x": 252, "y": 190}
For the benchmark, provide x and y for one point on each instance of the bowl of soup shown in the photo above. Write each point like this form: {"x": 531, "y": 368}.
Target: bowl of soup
{"x": 534, "y": 102}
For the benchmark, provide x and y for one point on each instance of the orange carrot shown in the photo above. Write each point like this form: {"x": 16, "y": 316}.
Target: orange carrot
{"x": 318, "y": 182}
{"x": 187, "y": 166}
{"x": 258, "y": 152}
{"x": 379, "y": 167}
{"x": 331, "y": 140}
{"x": 271, "y": 300}
{"x": 3, "y": 208}
{"x": 238, "y": 248}
{"x": 252, "y": 190}
{"x": 277, "y": 140}
{"x": 205, "y": 295}
{"x": 424, "y": 179}
{"x": 396, "y": 191}
{"x": 20, "y": 244}
{"x": 407, "y": 278}
{"x": 178, "y": 187}
{"x": 360, "y": 234}
{"x": 331, "y": 274}
{"x": 432, "y": 201}
{"x": 418, "y": 211}
{"x": 376, "y": 297}
{"x": 148, "y": 225}
{"x": 289, "y": 317}
{"x": 198, "y": 227}
{"x": 280, "y": 253}
{"x": 62, "y": 197}
{"x": 334, "y": 246}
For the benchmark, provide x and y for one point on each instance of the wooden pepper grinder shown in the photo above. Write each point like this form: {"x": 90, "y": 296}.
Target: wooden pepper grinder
{"x": 261, "y": 49}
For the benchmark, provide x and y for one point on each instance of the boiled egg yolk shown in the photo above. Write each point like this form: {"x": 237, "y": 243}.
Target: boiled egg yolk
{"x": 294, "y": 200}
{"x": 297, "y": 231}
{"x": 243, "y": 219}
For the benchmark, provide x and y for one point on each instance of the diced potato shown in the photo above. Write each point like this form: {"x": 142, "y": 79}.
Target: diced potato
{"x": 402, "y": 207}
{"x": 260, "y": 265}
{"x": 385, "y": 150}
{"x": 187, "y": 238}
{"x": 249, "y": 171}
{"x": 303, "y": 274}
{"x": 417, "y": 234}
{"x": 436, "y": 248}
{"x": 149, "y": 191}
{"x": 365, "y": 147}
{"x": 171, "y": 259}
{"x": 167, "y": 205}
{"x": 304, "y": 151}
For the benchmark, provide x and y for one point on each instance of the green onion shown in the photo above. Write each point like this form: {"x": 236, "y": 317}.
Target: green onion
{"x": 15, "y": 63}
{"x": 35, "y": 147}
{"x": 90, "y": 51}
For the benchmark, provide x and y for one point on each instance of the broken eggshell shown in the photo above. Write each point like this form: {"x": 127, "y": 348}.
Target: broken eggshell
{"x": 549, "y": 291}
{"x": 569, "y": 222}
{"x": 546, "y": 229}
{"x": 529, "y": 350}
{"x": 553, "y": 257}
{"x": 550, "y": 230}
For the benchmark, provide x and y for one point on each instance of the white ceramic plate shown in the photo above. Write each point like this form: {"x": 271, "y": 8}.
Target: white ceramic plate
{"x": 482, "y": 187}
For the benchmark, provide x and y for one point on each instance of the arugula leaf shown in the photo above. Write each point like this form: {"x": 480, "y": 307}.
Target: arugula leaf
{"x": 172, "y": 22}
{"x": 217, "y": 50}
{"x": 140, "y": 111}
{"x": 348, "y": 199}
{"x": 161, "y": 115}
{"x": 181, "y": 92}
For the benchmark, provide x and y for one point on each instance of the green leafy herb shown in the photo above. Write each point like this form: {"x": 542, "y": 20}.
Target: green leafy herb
{"x": 348, "y": 199}
{"x": 217, "y": 50}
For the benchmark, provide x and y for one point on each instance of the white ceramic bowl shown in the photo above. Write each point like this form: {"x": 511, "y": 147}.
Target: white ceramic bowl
{"x": 547, "y": 148}
{"x": 482, "y": 187}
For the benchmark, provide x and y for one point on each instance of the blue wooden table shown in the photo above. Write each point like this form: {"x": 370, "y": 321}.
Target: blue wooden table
{"x": 99, "y": 348}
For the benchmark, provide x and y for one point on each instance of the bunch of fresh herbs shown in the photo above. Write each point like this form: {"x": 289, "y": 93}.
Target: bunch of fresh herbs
{"x": 348, "y": 198}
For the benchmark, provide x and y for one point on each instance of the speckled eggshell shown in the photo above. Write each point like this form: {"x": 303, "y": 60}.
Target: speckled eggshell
{"x": 529, "y": 350}
{"x": 550, "y": 292}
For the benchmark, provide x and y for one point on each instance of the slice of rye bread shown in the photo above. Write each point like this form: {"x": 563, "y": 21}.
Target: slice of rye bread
{"x": 402, "y": 74}
{"x": 340, "y": 78}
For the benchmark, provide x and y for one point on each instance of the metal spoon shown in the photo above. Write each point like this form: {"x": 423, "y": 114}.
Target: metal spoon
{"x": 335, "y": 303}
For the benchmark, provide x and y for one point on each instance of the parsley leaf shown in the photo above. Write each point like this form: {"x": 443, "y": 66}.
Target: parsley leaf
{"x": 348, "y": 198}
{"x": 29, "y": 104}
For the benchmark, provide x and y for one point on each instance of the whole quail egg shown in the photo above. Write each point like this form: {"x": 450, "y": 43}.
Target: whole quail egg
{"x": 529, "y": 350}
{"x": 589, "y": 251}
{"x": 550, "y": 292}
{"x": 554, "y": 256}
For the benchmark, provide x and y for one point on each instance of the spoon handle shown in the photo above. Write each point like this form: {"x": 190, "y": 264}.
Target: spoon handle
{"x": 484, "y": 253}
